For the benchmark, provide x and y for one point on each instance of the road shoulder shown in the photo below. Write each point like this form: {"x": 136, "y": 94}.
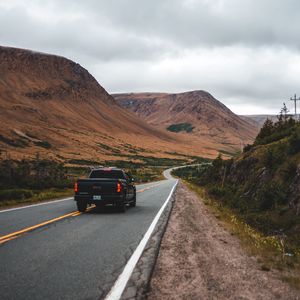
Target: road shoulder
{"x": 199, "y": 259}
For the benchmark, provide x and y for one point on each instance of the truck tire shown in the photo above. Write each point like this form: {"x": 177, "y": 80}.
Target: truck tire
{"x": 81, "y": 206}
{"x": 121, "y": 206}
{"x": 133, "y": 202}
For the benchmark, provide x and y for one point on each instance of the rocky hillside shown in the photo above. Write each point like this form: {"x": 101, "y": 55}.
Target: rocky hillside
{"x": 196, "y": 114}
{"x": 52, "y": 106}
{"x": 262, "y": 184}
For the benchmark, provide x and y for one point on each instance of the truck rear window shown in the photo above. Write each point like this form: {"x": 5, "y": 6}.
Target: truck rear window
{"x": 113, "y": 174}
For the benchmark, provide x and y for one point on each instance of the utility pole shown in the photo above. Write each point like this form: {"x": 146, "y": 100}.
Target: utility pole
{"x": 295, "y": 99}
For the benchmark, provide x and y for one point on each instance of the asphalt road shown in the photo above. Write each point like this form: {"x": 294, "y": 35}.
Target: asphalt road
{"x": 77, "y": 257}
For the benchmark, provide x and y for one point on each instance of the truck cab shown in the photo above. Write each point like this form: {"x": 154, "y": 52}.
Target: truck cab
{"x": 105, "y": 186}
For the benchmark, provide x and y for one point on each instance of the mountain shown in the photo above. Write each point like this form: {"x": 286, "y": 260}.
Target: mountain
{"x": 259, "y": 120}
{"x": 196, "y": 114}
{"x": 52, "y": 106}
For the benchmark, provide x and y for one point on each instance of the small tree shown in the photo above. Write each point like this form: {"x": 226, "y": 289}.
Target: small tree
{"x": 283, "y": 115}
{"x": 295, "y": 142}
{"x": 265, "y": 131}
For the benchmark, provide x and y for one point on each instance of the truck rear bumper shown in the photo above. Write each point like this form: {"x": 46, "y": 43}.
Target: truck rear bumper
{"x": 105, "y": 199}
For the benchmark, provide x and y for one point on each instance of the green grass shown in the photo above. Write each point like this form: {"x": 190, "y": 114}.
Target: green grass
{"x": 187, "y": 127}
{"x": 37, "y": 196}
{"x": 229, "y": 153}
{"x": 43, "y": 144}
{"x": 84, "y": 162}
{"x": 145, "y": 161}
{"x": 147, "y": 174}
{"x": 113, "y": 151}
{"x": 19, "y": 142}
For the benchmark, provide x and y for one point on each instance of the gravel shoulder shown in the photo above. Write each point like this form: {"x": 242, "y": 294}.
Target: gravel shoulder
{"x": 199, "y": 259}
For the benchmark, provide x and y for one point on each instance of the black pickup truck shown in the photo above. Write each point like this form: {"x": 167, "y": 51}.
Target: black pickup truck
{"x": 105, "y": 186}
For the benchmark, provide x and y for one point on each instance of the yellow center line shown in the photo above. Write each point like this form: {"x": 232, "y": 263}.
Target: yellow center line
{"x": 11, "y": 236}
{"x": 8, "y": 237}
{"x": 148, "y": 188}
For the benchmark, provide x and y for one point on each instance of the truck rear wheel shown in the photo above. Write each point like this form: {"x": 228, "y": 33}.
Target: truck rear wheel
{"x": 81, "y": 206}
{"x": 121, "y": 207}
{"x": 133, "y": 203}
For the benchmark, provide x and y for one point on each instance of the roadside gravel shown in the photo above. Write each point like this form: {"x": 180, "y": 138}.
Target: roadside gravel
{"x": 199, "y": 259}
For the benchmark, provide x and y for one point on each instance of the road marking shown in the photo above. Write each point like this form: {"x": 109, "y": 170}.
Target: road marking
{"x": 38, "y": 204}
{"x": 119, "y": 286}
{"x": 148, "y": 188}
{"x": 11, "y": 236}
{"x": 61, "y": 200}
{"x": 8, "y": 237}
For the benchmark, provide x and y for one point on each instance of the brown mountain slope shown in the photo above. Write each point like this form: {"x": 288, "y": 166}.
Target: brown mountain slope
{"x": 213, "y": 123}
{"x": 52, "y": 106}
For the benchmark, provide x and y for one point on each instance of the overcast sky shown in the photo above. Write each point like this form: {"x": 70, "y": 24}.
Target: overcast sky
{"x": 246, "y": 53}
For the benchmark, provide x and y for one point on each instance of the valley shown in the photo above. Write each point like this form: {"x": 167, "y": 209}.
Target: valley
{"x": 52, "y": 107}
{"x": 196, "y": 115}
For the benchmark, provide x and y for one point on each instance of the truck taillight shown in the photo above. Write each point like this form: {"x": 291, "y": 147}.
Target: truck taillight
{"x": 118, "y": 187}
{"x": 76, "y": 187}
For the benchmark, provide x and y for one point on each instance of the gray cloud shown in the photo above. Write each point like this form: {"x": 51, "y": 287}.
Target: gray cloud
{"x": 247, "y": 53}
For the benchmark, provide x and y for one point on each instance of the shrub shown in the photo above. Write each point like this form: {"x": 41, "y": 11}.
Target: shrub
{"x": 15, "y": 194}
{"x": 272, "y": 132}
{"x": 288, "y": 170}
{"x": 216, "y": 191}
{"x": 272, "y": 158}
{"x": 294, "y": 142}
{"x": 247, "y": 148}
{"x": 36, "y": 174}
{"x": 270, "y": 195}
{"x": 187, "y": 127}
{"x": 43, "y": 144}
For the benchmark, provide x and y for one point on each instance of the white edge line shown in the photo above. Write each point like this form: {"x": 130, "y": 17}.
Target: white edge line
{"x": 119, "y": 286}
{"x": 38, "y": 204}
{"x": 49, "y": 202}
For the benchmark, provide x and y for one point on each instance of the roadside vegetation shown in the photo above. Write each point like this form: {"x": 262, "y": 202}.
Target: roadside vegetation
{"x": 36, "y": 180}
{"x": 258, "y": 194}
{"x": 187, "y": 127}
{"x": 33, "y": 180}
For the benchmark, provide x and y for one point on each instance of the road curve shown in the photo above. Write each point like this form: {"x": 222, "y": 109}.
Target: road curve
{"x": 79, "y": 256}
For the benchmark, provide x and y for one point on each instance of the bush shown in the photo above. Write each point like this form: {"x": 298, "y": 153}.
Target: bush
{"x": 294, "y": 142}
{"x": 270, "y": 195}
{"x": 272, "y": 132}
{"x": 187, "y": 127}
{"x": 216, "y": 191}
{"x": 15, "y": 194}
{"x": 32, "y": 174}
{"x": 247, "y": 148}
{"x": 288, "y": 170}
{"x": 43, "y": 144}
{"x": 273, "y": 157}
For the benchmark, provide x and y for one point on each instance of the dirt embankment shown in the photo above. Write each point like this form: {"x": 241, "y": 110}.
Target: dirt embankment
{"x": 199, "y": 259}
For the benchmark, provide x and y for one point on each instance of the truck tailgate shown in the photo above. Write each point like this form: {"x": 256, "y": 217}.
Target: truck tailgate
{"x": 97, "y": 186}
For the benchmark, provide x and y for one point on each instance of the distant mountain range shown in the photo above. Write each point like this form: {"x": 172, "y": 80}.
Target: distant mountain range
{"x": 52, "y": 106}
{"x": 259, "y": 119}
{"x": 196, "y": 114}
